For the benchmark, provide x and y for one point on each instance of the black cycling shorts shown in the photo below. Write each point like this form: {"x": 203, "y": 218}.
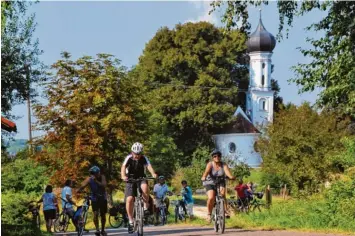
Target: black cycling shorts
{"x": 99, "y": 205}
{"x": 131, "y": 189}
{"x": 213, "y": 187}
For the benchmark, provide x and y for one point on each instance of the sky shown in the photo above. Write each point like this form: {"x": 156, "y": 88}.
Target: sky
{"x": 123, "y": 29}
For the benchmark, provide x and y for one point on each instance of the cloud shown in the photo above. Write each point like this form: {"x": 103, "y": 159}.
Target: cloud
{"x": 203, "y": 8}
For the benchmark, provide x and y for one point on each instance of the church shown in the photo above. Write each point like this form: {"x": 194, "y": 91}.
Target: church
{"x": 236, "y": 140}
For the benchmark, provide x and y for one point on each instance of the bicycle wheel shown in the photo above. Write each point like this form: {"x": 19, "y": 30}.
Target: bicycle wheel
{"x": 162, "y": 215}
{"x": 61, "y": 223}
{"x": 82, "y": 223}
{"x": 176, "y": 214}
{"x": 115, "y": 221}
{"x": 215, "y": 218}
{"x": 38, "y": 221}
{"x": 140, "y": 217}
{"x": 221, "y": 216}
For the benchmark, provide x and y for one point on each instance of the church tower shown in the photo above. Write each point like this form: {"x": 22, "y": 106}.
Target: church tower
{"x": 260, "y": 96}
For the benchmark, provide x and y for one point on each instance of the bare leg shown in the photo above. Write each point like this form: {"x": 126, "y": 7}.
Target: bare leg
{"x": 145, "y": 194}
{"x": 129, "y": 207}
{"x": 96, "y": 220}
{"x": 210, "y": 202}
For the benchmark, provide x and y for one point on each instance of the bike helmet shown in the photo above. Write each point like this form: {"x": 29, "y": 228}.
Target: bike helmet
{"x": 94, "y": 170}
{"x": 137, "y": 148}
{"x": 216, "y": 152}
{"x": 161, "y": 177}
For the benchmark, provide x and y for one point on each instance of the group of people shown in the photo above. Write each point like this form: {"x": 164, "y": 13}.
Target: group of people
{"x": 134, "y": 167}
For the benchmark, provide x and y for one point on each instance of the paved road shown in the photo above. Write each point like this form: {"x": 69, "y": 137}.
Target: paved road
{"x": 201, "y": 231}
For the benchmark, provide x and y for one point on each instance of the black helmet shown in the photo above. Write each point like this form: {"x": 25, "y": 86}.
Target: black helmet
{"x": 216, "y": 152}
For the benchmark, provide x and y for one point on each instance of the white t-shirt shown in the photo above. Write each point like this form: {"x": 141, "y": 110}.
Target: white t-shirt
{"x": 66, "y": 191}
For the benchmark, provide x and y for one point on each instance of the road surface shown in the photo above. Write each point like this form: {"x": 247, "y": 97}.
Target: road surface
{"x": 199, "y": 231}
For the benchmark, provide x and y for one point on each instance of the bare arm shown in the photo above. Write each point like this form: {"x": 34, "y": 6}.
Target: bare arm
{"x": 40, "y": 200}
{"x": 207, "y": 170}
{"x": 228, "y": 172}
{"x": 84, "y": 184}
{"x": 103, "y": 182}
{"x": 151, "y": 170}
{"x": 123, "y": 172}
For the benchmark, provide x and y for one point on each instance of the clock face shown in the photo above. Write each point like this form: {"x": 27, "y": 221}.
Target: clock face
{"x": 232, "y": 147}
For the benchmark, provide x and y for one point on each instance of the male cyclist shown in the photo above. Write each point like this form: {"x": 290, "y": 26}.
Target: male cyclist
{"x": 160, "y": 190}
{"x": 97, "y": 183}
{"x": 134, "y": 167}
{"x": 67, "y": 201}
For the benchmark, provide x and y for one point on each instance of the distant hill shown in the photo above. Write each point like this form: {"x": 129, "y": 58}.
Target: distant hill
{"x": 14, "y": 146}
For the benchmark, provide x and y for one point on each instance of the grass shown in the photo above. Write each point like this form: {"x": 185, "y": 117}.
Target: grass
{"x": 299, "y": 215}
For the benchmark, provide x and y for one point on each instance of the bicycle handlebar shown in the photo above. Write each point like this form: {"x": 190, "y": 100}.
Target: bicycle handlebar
{"x": 131, "y": 180}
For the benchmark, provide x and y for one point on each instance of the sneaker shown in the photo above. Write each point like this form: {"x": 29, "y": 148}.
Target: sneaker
{"x": 103, "y": 233}
{"x": 130, "y": 228}
{"x": 97, "y": 233}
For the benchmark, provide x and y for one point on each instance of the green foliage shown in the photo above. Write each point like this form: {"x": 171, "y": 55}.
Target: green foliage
{"x": 346, "y": 159}
{"x": 20, "y": 65}
{"x": 299, "y": 145}
{"x": 184, "y": 71}
{"x": 309, "y": 215}
{"x": 23, "y": 175}
{"x": 340, "y": 200}
{"x": 92, "y": 117}
{"x": 275, "y": 181}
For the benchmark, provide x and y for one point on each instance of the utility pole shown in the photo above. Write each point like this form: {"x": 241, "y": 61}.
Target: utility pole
{"x": 29, "y": 108}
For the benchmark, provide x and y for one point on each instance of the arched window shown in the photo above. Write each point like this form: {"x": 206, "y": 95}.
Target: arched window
{"x": 263, "y": 65}
{"x": 262, "y": 80}
{"x": 263, "y": 104}
{"x": 232, "y": 147}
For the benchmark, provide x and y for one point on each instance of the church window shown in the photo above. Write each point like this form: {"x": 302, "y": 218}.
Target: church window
{"x": 263, "y": 104}
{"x": 262, "y": 80}
{"x": 263, "y": 65}
{"x": 232, "y": 147}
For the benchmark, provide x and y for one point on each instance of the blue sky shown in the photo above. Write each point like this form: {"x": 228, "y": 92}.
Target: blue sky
{"x": 123, "y": 29}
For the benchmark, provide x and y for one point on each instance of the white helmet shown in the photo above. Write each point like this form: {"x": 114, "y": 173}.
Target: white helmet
{"x": 137, "y": 148}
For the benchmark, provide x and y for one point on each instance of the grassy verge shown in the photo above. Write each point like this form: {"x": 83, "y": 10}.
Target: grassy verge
{"x": 300, "y": 215}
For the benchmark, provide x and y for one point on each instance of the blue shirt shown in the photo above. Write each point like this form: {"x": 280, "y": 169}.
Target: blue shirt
{"x": 66, "y": 191}
{"x": 187, "y": 194}
{"x": 160, "y": 190}
{"x": 48, "y": 201}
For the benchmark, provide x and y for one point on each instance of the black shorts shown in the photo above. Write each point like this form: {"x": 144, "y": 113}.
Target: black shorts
{"x": 49, "y": 214}
{"x": 213, "y": 187}
{"x": 131, "y": 189}
{"x": 99, "y": 205}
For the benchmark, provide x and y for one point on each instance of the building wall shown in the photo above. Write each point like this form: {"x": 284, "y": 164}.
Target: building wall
{"x": 244, "y": 147}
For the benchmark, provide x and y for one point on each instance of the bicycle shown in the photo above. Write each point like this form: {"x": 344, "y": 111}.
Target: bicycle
{"x": 162, "y": 210}
{"x": 82, "y": 215}
{"x": 118, "y": 215}
{"x": 180, "y": 213}
{"x": 255, "y": 203}
{"x": 61, "y": 224}
{"x": 36, "y": 218}
{"x": 219, "y": 217}
{"x": 138, "y": 209}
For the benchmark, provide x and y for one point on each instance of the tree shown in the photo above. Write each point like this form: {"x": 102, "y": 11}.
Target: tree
{"x": 299, "y": 145}
{"x": 332, "y": 67}
{"x": 20, "y": 65}
{"x": 92, "y": 116}
{"x": 191, "y": 74}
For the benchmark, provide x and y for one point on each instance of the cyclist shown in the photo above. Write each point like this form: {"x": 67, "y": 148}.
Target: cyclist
{"x": 243, "y": 192}
{"x": 186, "y": 192}
{"x": 160, "y": 190}
{"x": 50, "y": 207}
{"x": 134, "y": 166}
{"x": 215, "y": 168}
{"x": 97, "y": 183}
{"x": 67, "y": 195}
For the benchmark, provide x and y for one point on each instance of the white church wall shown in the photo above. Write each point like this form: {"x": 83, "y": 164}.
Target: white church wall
{"x": 244, "y": 151}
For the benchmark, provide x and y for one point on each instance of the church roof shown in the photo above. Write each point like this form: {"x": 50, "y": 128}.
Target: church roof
{"x": 261, "y": 40}
{"x": 240, "y": 124}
